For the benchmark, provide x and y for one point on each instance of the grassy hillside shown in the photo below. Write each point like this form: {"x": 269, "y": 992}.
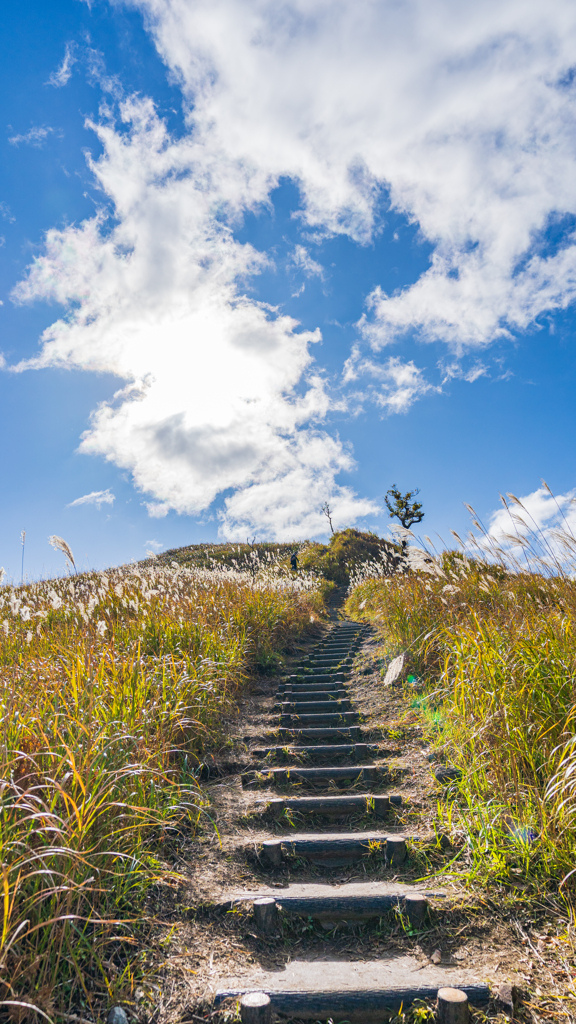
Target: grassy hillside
{"x": 494, "y": 649}
{"x": 112, "y": 685}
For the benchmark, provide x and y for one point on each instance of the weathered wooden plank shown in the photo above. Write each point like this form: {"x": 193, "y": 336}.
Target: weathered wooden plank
{"x": 368, "y": 773}
{"x": 318, "y": 707}
{"x": 330, "y": 732}
{"x": 354, "y": 991}
{"x": 314, "y": 678}
{"x": 335, "y": 720}
{"x": 363, "y": 803}
{"x": 318, "y": 752}
{"x": 306, "y": 695}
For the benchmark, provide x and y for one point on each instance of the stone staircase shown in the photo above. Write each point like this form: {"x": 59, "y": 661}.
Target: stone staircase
{"x": 323, "y": 752}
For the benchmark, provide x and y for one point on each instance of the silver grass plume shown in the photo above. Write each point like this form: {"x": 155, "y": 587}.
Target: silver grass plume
{"x": 59, "y": 544}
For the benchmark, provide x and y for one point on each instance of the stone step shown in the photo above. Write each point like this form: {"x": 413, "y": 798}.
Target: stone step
{"x": 352, "y": 732}
{"x": 345, "y": 718}
{"x": 334, "y": 849}
{"x": 313, "y": 707}
{"x": 333, "y": 806}
{"x": 353, "y": 901}
{"x": 318, "y": 752}
{"x": 355, "y": 991}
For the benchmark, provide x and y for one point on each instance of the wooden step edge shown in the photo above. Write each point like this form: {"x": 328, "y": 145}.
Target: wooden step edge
{"x": 357, "y": 1006}
{"x": 368, "y": 803}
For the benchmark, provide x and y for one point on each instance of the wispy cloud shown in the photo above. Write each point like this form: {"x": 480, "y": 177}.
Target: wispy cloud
{"x": 97, "y": 498}
{"x": 398, "y": 384}
{"x": 35, "y": 136}
{"x": 455, "y": 370}
{"x": 155, "y": 545}
{"x": 6, "y": 212}
{"x": 62, "y": 75}
{"x": 302, "y": 259}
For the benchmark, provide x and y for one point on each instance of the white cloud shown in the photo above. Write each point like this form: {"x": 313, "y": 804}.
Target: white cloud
{"x": 35, "y": 136}
{"x": 303, "y": 260}
{"x": 464, "y": 112}
{"x": 399, "y": 384}
{"x": 157, "y": 509}
{"x": 97, "y": 498}
{"x": 455, "y": 370}
{"x": 461, "y": 113}
{"x": 62, "y": 75}
{"x": 156, "y": 545}
{"x": 220, "y": 393}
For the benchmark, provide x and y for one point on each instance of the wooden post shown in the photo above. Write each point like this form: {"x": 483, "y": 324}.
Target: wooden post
{"x": 395, "y": 849}
{"x": 381, "y": 806}
{"x": 266, "y": 914}
{"x": 416, "y": 906}
{"x": 255, "y": 1008}
{"x": 452, "y": 1006}
{"x": 272, "y": 852}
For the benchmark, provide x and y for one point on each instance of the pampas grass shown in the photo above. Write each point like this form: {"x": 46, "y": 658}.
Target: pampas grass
{"x": 112, "y": 687}
{"x": 59, "y": 544}
{"x": 491, "y": 634}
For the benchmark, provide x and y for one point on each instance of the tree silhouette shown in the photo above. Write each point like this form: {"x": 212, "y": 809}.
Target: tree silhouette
{"x": 401, "y": 507}
{"x": 328, "y": 513}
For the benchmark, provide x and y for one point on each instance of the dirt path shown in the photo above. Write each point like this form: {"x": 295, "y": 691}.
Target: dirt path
{"x": 321, "y": 887}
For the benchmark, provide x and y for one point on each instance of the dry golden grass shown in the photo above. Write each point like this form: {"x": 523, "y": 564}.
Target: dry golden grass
{"x": 112, "y": 685}
{"x": 494, "y": 652}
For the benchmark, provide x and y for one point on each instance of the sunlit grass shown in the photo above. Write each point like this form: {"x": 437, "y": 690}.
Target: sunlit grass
{"x": 495, "y": 649}
{"x": 112, "y": 686}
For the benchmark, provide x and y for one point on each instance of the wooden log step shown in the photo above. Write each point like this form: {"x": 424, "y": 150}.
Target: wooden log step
{"x": 336, "y": 647}
{"x": 322, "y": 663}
{"x": 313, "y": 707}
{"x": 341, "y": 648}
{"x": 307, "y": 681}
{"x": 334, "y": 806}
{"x": 359, "y": 751}
{"x": 336, "y": 849}
{"x": 352, "y": 732}
{"x": 292, "y": 695}
{"x": 355, "y": 991}
{"x": 367, "y": 773}
{"x": 296, "y": 775}
{"x": 313, "y": 678}
{"x": 355, "y": 901}
{"x": 345, "y": 718}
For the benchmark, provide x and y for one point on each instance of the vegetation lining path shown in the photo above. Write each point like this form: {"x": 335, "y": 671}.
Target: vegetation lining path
{"x": 337, "y": 936}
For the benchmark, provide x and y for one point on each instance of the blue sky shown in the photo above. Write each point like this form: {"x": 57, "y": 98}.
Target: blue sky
{"x": 259, "y": 256}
